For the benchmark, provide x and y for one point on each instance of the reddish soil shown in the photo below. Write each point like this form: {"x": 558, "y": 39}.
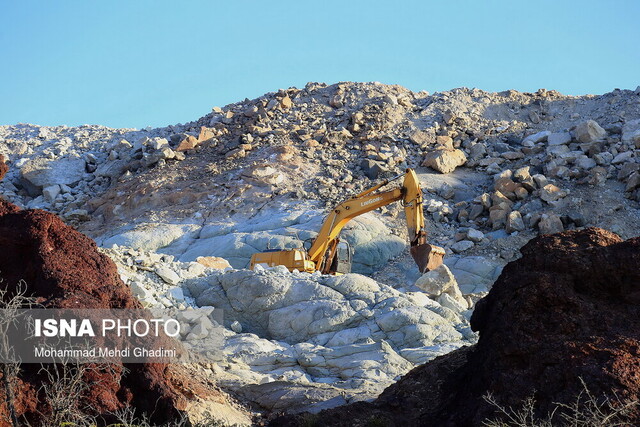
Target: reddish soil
{"x": 63, "y": 269}
{"x": 569, "y": 309}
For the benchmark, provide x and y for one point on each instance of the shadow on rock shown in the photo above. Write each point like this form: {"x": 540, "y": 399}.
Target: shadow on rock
{"x": 567, "y": 312}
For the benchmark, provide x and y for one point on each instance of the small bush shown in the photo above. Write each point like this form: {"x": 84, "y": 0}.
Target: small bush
{"x": 586, "y": 411}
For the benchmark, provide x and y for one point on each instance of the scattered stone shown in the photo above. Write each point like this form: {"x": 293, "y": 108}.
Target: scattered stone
{"x": 633, "y": 182}
{"x": 597, "y": 176}
{"x": 559, "y": 138}
{"x": 551, "y": 193}
{"x": 444, "y": 161}
{"x": 585, "y": 162}
{"x": 475, "y": 235}
{"x": 513, "y": 155}
{"x": 627, "y": 169}
{"x": 371, "y": 168}
{"x": 189, "y": 143}
{"x": 514, "y": 222}
{"x": 50, "y": 193}
{"x": 498, "y": 218}
{"x": 168, "y": 275}
{"x": 550, "y": 224}
{"x": 478, "y": 151}
{"x": 623, "y": 157}
{"x": 461, "y": 246}
{"x": 423, "y": 138}
{"x": 589, "y": 131}
{"x": 577, "y": 218}
{"x": 536, "y": 137}
{"x": 540, "y": 180}
{"x": 440, "y": 281}
{"x": 236, "y": 327}
{"x": 214, "y": 262}
{"x": 631, "y": 133}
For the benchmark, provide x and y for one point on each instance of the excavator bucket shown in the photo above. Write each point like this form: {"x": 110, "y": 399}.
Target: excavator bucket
{"x": 427, "y": 257}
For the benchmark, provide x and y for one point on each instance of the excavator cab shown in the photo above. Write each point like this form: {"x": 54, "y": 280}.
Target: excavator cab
{"x": 342, "y": 259}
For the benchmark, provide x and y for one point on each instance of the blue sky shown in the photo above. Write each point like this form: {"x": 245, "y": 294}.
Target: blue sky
{"x": 138, "y": 63}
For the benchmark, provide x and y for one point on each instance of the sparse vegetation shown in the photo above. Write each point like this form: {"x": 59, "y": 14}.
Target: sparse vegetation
{"x": 9, "y": 307}
{"x": 587, "y": 410}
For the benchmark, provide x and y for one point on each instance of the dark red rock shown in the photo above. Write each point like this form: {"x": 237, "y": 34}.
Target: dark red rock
{"x": 569, "y": 309}
{"x": 63, "y": 269}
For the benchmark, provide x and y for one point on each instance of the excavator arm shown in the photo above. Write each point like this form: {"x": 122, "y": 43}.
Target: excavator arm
{"x": 427, "y": 257}
{"x": 323, "y": 255}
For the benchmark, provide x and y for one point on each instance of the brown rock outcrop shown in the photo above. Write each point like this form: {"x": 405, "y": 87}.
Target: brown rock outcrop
{"x": 63, "y": 269}
{"x": 568, "y": 310}
{"x": 3, "y": 167}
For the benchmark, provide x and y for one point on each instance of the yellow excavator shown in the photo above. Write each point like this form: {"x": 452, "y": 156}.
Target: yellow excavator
{"x": 330, "y": 256}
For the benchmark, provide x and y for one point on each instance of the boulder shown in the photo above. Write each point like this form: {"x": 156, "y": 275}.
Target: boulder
{"x": 215, "y": 262}
{"x": 444, "y": 161}
{"x": 631, "y": 133}
{"x": 514, "y": 222}
{"x": 589, "y": 131}
{"x": 42, "y": 172}
{"x": 550, "y": 224}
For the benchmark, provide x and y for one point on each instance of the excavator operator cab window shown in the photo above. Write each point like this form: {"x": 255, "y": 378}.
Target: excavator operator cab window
{"x": 342, "y": 260}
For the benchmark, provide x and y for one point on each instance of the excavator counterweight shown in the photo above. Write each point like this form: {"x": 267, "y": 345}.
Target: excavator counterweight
{"x": 330, "y": 256}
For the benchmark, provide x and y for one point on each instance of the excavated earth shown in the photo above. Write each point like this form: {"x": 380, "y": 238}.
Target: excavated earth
{"x": 565, "y": 314}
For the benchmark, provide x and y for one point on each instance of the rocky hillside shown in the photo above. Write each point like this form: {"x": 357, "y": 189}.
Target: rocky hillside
{"x": 181, "y": 209}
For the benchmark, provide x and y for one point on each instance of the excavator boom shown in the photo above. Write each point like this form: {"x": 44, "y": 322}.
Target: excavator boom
{"x": 325, "y": 251}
